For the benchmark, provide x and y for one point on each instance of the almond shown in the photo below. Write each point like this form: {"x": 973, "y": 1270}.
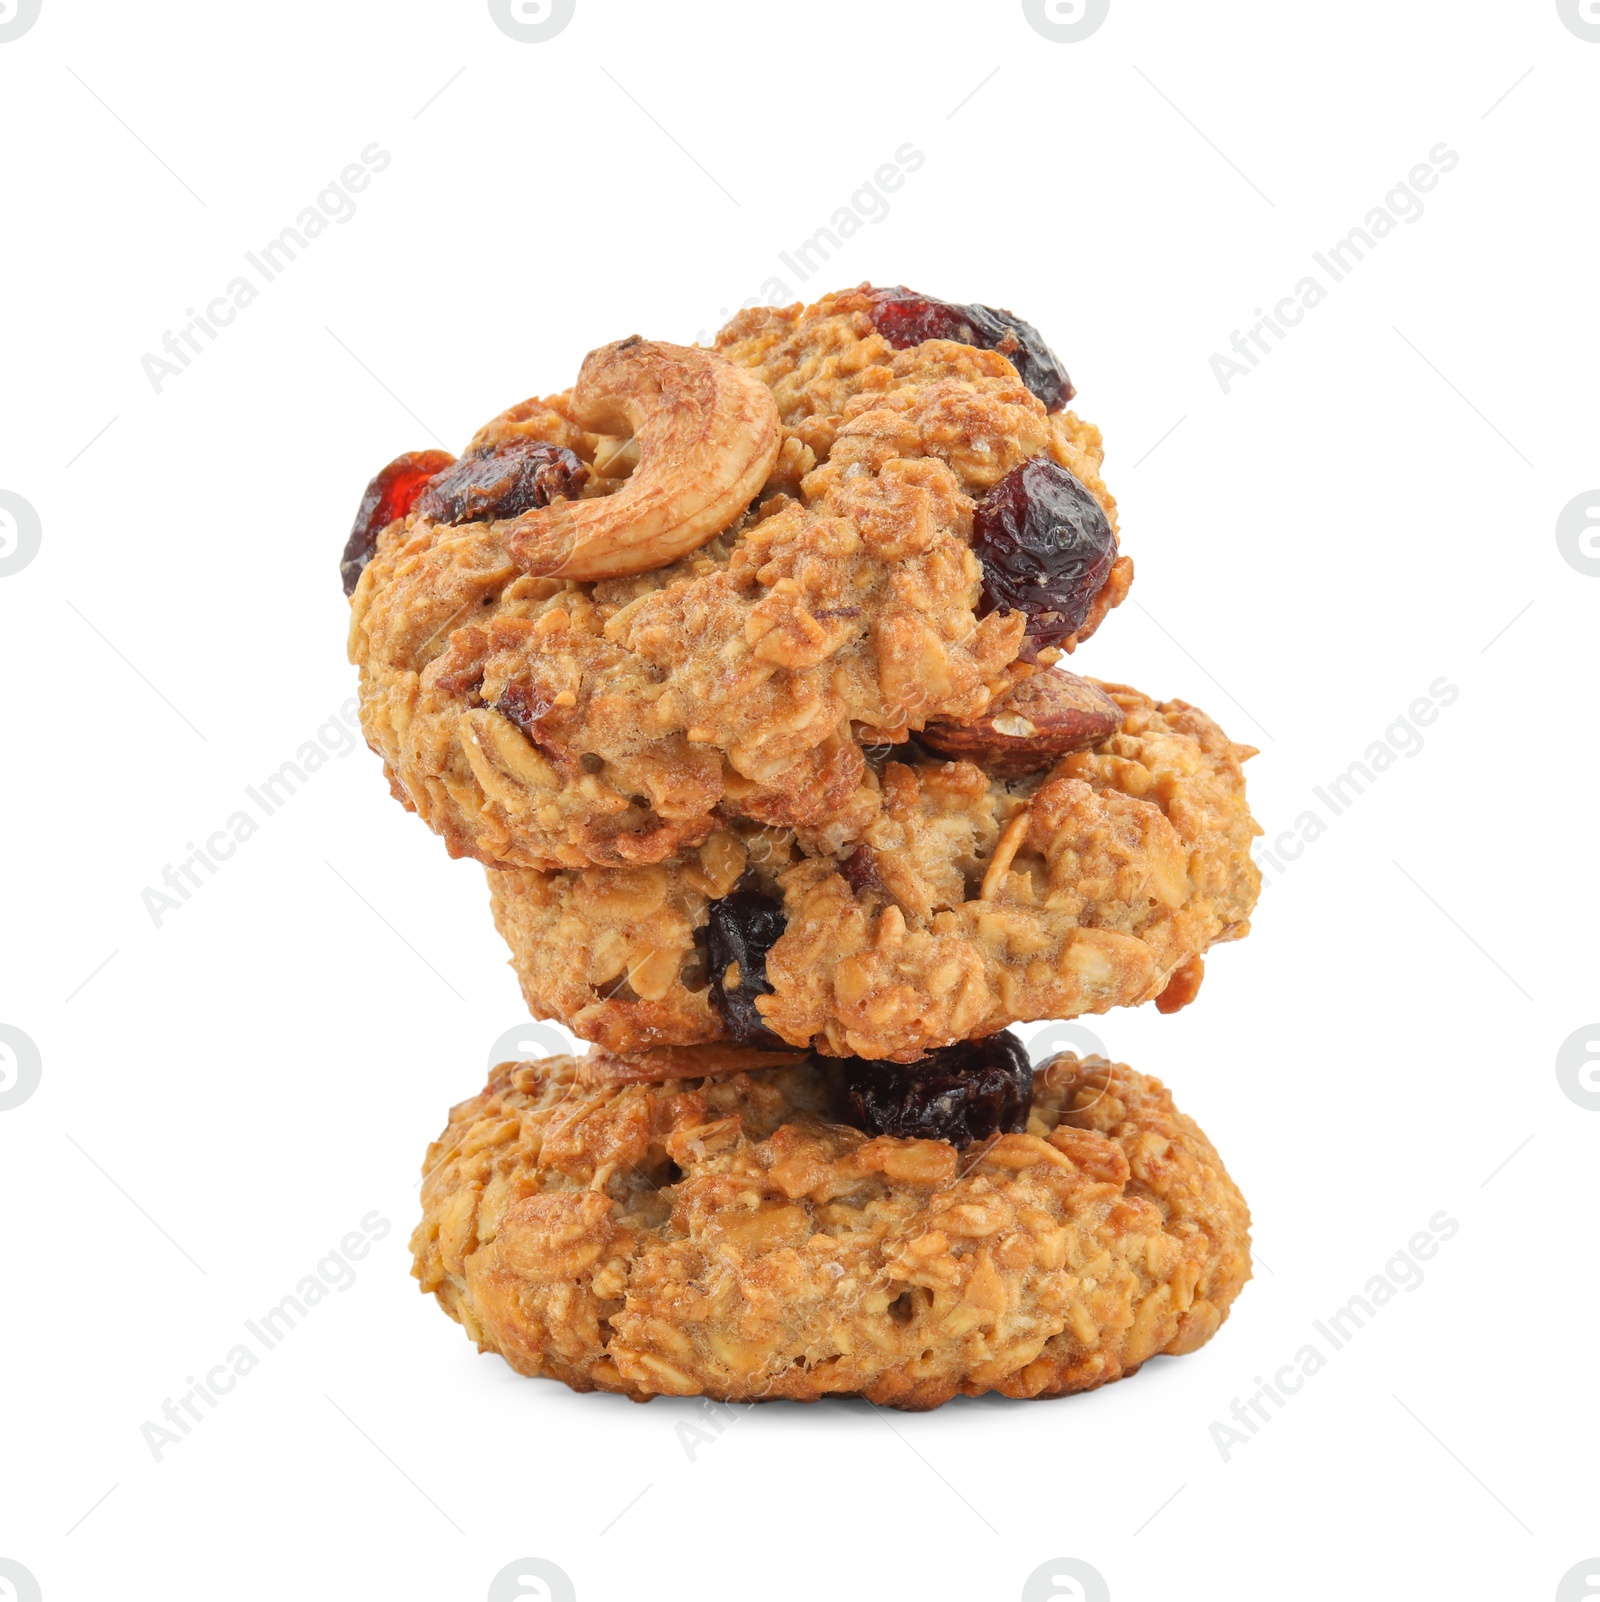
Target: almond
{"x": 1036, "y": 722}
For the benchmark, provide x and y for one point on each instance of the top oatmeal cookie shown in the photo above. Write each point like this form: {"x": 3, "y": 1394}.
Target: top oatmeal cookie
{"x": 693, "y": 586}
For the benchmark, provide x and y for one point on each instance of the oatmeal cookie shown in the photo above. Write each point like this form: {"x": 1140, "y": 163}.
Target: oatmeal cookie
{"x": 962, "y": 902}
{"x": 729, "y": 1237}
{"x": 695, "y": 584}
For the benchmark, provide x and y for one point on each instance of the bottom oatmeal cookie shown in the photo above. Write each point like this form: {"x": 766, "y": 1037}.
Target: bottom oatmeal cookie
{"x": 729, "y": 1237}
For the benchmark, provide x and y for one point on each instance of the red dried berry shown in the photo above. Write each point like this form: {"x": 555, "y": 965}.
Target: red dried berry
{"x": 504, "y": 483}
{"x": 523, "y": 705}
{"x": 743, "y": 928}
{"x": 1045, "y": 546}
{"x": 390, "y": 495}
{"x": 860, "y": 869}
{"x": 906, "y": 318}
{"x": 467, "y": 685}
{"x": 960, "y": 1093}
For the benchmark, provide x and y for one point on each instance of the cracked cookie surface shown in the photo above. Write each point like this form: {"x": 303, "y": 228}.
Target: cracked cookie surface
{"x": 539, "y": 722}
{"x": 725, "y": 1237}
{"x": 960, "y": 902}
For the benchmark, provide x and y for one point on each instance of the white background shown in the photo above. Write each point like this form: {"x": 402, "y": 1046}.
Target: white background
{"x": 223, "y": 1097}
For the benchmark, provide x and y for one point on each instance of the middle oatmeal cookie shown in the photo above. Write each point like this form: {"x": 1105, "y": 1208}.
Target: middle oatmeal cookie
{"x": 884, "y": 497}
{"x": 965, "y": 901}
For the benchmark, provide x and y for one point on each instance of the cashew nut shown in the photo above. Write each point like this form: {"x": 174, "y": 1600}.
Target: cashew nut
{"x": 708, "y": 435}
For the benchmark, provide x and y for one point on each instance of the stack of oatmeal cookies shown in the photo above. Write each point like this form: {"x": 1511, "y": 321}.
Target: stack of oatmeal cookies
{"x": 741, "y": 671}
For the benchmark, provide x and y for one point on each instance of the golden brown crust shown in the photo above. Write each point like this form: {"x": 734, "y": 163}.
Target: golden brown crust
{"x": 979, "y": 902}
{"x": 741, "y": 678}
{"x": 726, "y": 1238}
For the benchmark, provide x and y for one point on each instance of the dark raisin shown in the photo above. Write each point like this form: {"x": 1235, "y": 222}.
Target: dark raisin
{"x": 906, "y": 318}
{"x": 743, "y": 928}
{"x": 961, "y": 1093}
{"x": 523, "y": 705}
{"x": 860, "y": 869}
{"x": 1046, "y": 548}
{"x": 506, "y": 482}
{"x": 388, "y": 496}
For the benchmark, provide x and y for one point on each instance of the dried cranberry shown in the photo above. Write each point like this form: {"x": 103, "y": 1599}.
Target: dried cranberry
{"x": 523, "y": 705}
{"x": 961, "y": 1093}
{"x": 1046, "y": 548}
{"x": 388, "y": 496}
{"x": 905, "y": 318}
{"x": 468, "y": 685}
{"x": 744, "y": 927}
{"x": 506, "y": 482}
